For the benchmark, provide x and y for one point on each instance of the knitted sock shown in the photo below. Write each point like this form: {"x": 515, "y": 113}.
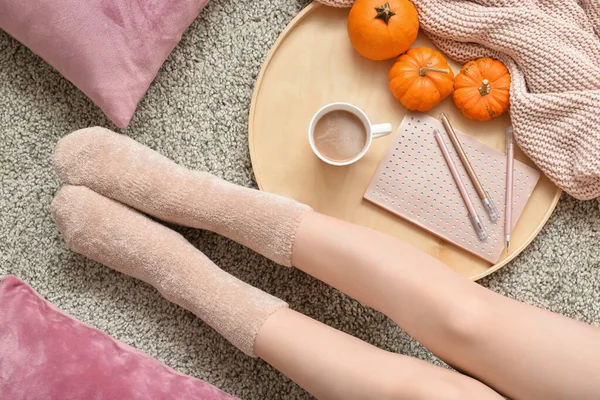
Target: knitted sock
{"x": 120, "y": 168}
{"x": 129, "y": 242}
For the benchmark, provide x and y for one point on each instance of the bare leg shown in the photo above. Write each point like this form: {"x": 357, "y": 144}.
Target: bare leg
{"x": 330, "y": 364}
{"x": 521, "y": 351}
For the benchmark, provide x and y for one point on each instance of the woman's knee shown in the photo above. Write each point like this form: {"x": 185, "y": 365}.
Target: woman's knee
{"x": 465, "y": 319}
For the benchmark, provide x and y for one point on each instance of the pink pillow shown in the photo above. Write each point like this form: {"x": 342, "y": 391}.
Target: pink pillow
{"x": 110, "y": 49}
{"x": 46, "y": 354}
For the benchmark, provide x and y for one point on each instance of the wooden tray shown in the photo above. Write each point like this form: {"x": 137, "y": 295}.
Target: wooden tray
{"x": 311, "y": 64}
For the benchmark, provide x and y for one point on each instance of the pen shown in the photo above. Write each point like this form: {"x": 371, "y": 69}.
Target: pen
{"x": 510, "y": 158}
{"x": 473, "y": 217}
{"x": 486, "y": 199}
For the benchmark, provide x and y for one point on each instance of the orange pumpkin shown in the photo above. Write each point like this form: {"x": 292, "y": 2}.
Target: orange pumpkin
{"x": 421, "y": 78}
{"x": 382, "y": 29}
{"x": 482, "y": 89}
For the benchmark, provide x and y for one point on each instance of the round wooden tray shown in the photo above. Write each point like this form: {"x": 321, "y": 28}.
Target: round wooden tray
{"x": 312, "y": 64}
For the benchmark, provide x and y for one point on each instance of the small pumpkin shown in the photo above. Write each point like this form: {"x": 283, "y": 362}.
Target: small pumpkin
{"x": 421, "y": 78}
{"x": 382, "y": 29}
{"x": 482, "y": 89}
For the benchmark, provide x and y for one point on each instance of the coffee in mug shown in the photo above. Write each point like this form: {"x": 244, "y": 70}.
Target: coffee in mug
{"x": 340, "y": 135}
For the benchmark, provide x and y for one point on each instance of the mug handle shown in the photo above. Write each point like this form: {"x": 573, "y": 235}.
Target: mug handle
{"x": 380, "y": 130}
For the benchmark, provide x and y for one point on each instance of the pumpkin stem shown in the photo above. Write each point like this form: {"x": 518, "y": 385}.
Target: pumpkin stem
{"x": 424, "y": 70}
{"x": 384, "y": 12}
{"x": 485, "y": 87}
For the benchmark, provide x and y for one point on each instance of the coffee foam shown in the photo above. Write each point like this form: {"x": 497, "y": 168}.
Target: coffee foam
{"x": 340, "y": 135}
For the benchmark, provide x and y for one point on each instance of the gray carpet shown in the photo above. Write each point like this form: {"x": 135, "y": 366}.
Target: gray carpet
{"x": 196, "y": 113}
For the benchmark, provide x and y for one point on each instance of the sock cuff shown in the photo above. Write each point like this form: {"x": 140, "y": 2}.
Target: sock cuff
{"x": 248, "y": 346}
{"x": 298, "y": 212}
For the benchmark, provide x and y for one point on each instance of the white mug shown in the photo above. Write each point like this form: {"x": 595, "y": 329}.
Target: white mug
{"x": 373, "y": 131}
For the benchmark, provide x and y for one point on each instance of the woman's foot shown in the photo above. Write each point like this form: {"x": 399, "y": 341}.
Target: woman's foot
{"x": 120, "y": 168}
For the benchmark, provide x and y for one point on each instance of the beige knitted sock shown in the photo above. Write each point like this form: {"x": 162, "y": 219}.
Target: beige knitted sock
{"x": 118, "y": 167}
{"x": 129, "y": 242}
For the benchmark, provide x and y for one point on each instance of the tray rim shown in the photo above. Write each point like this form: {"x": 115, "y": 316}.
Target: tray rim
{"x": 257, "y": 86}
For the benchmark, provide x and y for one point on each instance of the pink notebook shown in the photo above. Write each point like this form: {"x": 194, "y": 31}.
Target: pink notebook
{"x": 414, "y": 182}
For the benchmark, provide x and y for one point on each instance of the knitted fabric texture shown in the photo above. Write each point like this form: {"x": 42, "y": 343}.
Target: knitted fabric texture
{"x": 338, "y": 3}
{"x": 552, "y": 50}
{"x": 124, "y": 170}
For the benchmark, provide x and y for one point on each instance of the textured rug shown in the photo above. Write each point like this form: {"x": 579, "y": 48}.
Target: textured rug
{"x": 196, "y": 113}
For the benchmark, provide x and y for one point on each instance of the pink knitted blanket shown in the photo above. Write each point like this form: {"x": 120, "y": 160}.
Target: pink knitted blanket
{"x": 552, "y": 50}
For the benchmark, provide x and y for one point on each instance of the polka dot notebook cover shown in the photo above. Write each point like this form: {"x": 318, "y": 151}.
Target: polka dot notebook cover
{"x": 413, "y": 181}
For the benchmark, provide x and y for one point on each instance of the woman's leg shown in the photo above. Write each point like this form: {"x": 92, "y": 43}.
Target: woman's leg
{"x": 328, "y": 363}
{"x": 522, "y": 351}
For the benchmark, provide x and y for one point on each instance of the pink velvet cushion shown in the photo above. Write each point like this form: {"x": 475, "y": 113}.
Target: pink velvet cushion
{"x": 110, "y": 49}
{"x": 46, "y": 354}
